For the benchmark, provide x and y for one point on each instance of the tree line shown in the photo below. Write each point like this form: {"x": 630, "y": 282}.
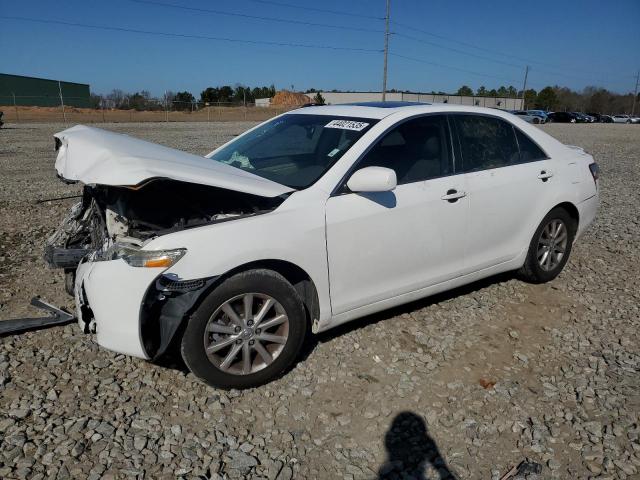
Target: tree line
{"x": 143, "y": 100}
{"x": 553, "y": 98}
{"x": 556, "y": 98}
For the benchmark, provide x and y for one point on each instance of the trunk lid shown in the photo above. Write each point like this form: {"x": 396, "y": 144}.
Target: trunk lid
{"x": 96, "y": 156}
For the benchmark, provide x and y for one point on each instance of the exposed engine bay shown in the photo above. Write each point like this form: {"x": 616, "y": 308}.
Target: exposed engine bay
{"x": 110, "y": 215}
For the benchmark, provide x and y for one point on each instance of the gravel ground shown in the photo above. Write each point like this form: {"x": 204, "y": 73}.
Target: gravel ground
{"x": 465, "y": 384}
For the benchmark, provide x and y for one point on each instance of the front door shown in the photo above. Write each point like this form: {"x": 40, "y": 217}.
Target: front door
{"x": 381, "y": 245}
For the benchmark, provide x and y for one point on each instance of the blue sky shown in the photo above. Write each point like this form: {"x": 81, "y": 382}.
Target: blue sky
{"x": 571, "y": 42}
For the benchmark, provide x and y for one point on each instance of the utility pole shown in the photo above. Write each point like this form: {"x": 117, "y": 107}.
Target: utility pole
{"x": 15, "y": 106}
{"x": 524, "y": 87}
{"x": 166, "y": 107}
{"x": 244, "y": 101}
{"x": 64, "y": 115}
{"x": 386, "y": 52}
{"x": 635, "y": 95}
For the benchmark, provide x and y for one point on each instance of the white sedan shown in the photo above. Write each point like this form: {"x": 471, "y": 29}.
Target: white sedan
{"x": 312, "y": 219}
{"x": 530, "y": 116}
{"x": 622, "y": 119}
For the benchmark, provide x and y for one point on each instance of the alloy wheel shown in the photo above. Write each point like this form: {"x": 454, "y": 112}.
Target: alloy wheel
{"x": 552, "y": 244}
{"x": 246, "y": 333}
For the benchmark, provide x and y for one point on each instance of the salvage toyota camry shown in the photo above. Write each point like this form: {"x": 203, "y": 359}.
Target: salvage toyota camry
{"x": 317, "y": 217}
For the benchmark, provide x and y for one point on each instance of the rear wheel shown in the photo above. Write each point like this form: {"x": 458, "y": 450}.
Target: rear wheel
{"x": 247, "y": 332}
{"x": 550, "y": 247}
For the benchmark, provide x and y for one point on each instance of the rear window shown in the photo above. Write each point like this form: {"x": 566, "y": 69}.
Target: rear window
{"x": 529, "y": 150}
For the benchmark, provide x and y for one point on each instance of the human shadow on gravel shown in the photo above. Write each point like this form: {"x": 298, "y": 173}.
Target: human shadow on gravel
{"x": 410, "y": 449}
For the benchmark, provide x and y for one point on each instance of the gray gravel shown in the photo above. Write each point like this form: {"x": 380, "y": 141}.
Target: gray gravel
{"x": 468, "y": 383}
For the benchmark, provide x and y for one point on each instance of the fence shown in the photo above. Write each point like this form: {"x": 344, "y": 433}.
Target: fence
{"x": 143, "y": 109}
{"x": 152, "y": 111}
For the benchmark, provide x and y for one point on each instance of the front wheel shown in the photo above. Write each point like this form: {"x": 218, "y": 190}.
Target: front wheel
{"x": 247, "y": 332}
{"x": 550, "y": 247}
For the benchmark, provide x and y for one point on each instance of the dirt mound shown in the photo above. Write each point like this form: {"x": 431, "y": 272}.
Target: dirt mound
{"x": 285, "y": 97}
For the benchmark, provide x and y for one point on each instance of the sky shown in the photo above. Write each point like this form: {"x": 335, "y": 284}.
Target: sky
{"x": 435, "y": 45}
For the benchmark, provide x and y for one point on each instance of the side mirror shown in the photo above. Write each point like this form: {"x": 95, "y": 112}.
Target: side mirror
{"x": 373, "y": 179}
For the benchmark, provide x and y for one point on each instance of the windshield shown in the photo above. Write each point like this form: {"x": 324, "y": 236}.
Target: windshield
{"x": 296, "y": 149}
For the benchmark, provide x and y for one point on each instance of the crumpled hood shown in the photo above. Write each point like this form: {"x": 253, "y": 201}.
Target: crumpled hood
{"x": 95, "y": 156}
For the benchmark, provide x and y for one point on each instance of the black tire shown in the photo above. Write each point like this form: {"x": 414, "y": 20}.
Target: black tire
{"x": 260, "y": 281}
{"x": 532, "y": 271}
{"x": 536, "y": 121}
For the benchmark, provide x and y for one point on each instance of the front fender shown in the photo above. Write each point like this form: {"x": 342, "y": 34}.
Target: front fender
{"x": 294, "y": 235}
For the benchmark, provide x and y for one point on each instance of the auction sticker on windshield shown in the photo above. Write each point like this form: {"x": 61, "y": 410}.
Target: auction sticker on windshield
{"x": 347, "y": 125}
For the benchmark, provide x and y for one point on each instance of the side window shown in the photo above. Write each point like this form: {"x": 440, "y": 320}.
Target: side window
{"x": 417, "y": 150}
{"x": 485, "y": 142}
{"x": 529, "y": 151}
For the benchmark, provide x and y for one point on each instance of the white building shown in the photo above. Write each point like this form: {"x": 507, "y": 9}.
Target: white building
{"x": 263, "y": 102}
{"x": 504, "y": 103}
{"x": 333, "y": 98}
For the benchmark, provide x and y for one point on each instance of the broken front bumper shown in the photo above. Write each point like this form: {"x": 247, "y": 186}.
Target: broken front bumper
{"x": 135, "y": 311}
{"x": 109, "y": 296}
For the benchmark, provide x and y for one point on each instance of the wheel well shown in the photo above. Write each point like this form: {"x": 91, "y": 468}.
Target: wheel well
{"x": 571, "y": 209}
{"x": 295, "y": 275}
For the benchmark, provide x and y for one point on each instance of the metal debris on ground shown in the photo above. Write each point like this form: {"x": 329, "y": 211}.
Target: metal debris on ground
{"x": 525, "y": 467}
{"x": 56, "y": 316}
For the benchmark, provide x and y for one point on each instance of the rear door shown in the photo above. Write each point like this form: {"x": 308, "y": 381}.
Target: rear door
{"x": 382, "y": 245}
{"x": 506, "y": 175}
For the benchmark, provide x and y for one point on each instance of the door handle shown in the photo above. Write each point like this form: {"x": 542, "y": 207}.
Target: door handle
{"x": 544, "y": 175}
{"x": 453, "y": 195}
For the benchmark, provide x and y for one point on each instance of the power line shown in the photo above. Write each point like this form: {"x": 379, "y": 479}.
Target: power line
{"x": 482, "y": 57}
{"x": 313, "y": 9}
{"x": 254, "y": 17}
{"x": 187, "y": 35}
{"x": 465, "y": 44}
{"x": 427, "y": 62}
{"x": 494, "y": 52}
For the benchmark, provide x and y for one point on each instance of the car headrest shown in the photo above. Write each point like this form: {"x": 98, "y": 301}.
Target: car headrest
{"x": 432, "y": 147}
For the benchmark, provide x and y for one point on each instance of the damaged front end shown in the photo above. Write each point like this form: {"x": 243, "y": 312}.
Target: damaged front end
{"x": 114, "y": 221}
{"x": 135, "y": 191}
{"x": 81, "y": 233}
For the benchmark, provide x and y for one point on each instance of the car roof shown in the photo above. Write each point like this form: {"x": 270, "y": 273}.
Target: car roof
{"x": 380, "y": 110}
{"x": 386, "y": 104}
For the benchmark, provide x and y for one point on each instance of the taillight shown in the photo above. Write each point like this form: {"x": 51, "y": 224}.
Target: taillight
{"x": 595, "y": 171}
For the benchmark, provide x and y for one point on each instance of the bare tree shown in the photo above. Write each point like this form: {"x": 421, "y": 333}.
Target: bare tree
{"x": 115, "y": 99}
